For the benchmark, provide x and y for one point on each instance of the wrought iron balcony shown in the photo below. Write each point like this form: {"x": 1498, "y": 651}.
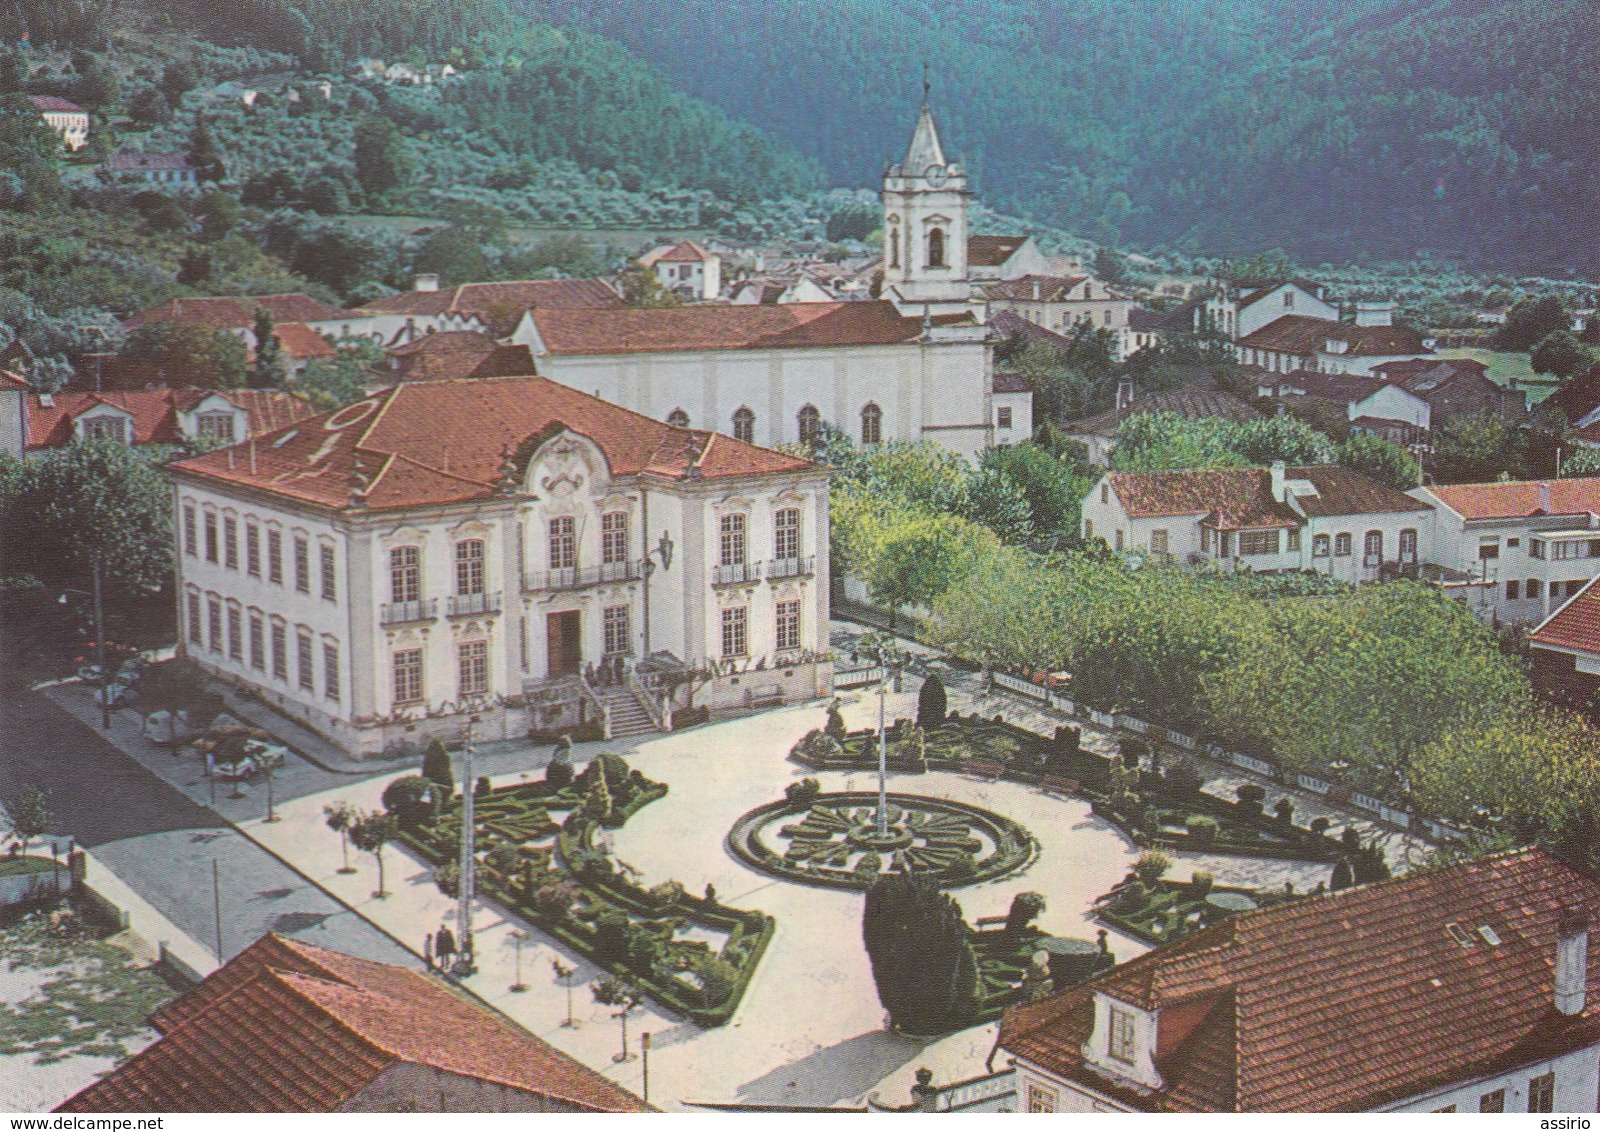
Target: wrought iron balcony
{"x": 465, "y": 605}
{"x": 802, "y": 567}
{"x": 576, "y": 577}
{"x": 734, "y": 573}
{"x": 407, "y": 612}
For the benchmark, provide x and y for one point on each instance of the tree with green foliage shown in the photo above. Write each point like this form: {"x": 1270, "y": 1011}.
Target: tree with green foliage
{"x": 150, "y": 107}
{"x": 1479, "y": 447}
{"x": 370, "y": 832}
{"x": 436, "y": 767}
{"x": 1562, "y": 355}
{"x": 30, "y": 153}
{"x": 204, "y": 154}
{"x": 338, "y": 817}
{"x": 219, "y": 214}
{"x": 921, "y": 951}
{"x": 1054, "y": 488}
{"x": 380, "y": 155}
{"x": 1381, "y": 460}
{"x": 932, "y": 703}
{"x": 1584, "y": 461}
{"x": 174, "y": 353}
{"x": 853, "y": 220}
{"x": 454, "y": 256}
{"x": 641, "y": 289}
{"x": 98, "y": 502}
{"x": 1110, "y": 267}
{"x": 341, "y": 380}
{"x": 1026, "y": 907}
{"x": 28, "y": 814}
{"x": 178, "y": 78}
{"x": 409, "y": 799}
{"x": 1531, "y": 321}
{"x": 266, "y": 372}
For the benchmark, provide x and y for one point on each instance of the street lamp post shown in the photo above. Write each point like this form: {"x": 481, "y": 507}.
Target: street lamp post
{"x": 463, "y": 965}
{"x": 518, "y": 938}
{"x": 883, "y": 759}
{"x": 100, "y": 643}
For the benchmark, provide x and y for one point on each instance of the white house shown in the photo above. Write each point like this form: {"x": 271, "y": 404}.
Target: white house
{"x": 1005, "y": 257}
{"x": 796, "y": 288}
{"x": 687, "y": 269}
{"x": 1324, "y": 518}
{"x": 168, "y": 170}
{"x": 237, "y": 316}
{"x": 1013, "y": 409}
{"x": 69, "y": 120}
{"x": 1064, "y": 303}
{"x": 1467, "y": 988}
{"x": 498, "y": 547}
{"x": 1311, "y": 342}
{"x": 1263, "y": 302}
{"x": 1369, "y": 403}
{"x": 1532, "y": 543}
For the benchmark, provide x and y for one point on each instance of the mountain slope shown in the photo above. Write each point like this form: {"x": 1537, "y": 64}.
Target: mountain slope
{"x": 1336, "y": 130}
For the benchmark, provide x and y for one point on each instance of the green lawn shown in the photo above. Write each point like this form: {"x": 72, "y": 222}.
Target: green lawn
{"x": 22, "y": 866}
{"x": 1505, "y": 366}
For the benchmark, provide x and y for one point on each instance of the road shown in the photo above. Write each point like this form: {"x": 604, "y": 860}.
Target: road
{"x": 162, "y": 843}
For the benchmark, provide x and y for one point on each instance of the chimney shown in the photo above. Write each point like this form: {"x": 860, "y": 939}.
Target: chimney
{"x": 1572, "y": 962}
{"x": 427, "y": 282}
{"x": 1544, "y": 497}
{"x": 1278, "y": 488}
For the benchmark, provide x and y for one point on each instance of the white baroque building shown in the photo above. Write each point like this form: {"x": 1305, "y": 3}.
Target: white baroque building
{"x": 506, "y": 548}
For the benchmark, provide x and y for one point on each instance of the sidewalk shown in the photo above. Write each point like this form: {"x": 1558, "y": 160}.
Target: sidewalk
{"x": 192, "y": 958}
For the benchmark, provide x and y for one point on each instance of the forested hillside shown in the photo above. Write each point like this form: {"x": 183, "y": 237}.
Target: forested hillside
{"x": 1350, "y": 129}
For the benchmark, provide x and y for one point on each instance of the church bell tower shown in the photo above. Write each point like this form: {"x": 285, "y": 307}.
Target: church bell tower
{"x": 925, "y": 203}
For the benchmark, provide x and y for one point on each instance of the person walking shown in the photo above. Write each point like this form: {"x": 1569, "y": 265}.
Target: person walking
{"x": 444, "y": 946}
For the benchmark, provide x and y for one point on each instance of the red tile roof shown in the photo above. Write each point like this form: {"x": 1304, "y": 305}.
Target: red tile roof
{"x": 1341, "y": 388}
{"x": 287, "y": 1027}
{"x": 1036, "y": 288}
{"x": 1010, "y": 322}
{"x": 300, "y": 342}
{"x": 1235, "y": 498}
{"x": 1011, "y": 383}
{"x": 501, "y": 304}
{"x": 1342, "y": 1002}
{"x": 230, "y": 313}
{"x": 1575, "y": 625}
{"x": 9, "y": 380}
{"x": 1519, "y": 499}
{"x": 50, "y": 104}
{"x": 436, "y": 442}
{"x": 992, "y": 251}
{"x": 686, "y": 251}
{"x": 155, "y": 411}
{"x": 1302, "y": 335}
{"x": 756, "y": 327}
{"x": 1422, "y": 375}
{"x": 453, "y": 354}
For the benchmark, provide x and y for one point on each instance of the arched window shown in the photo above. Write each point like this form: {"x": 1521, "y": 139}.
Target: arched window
{"x": 871, "y": 424}
{"x": 744, "y": 425}
{"x": 678, "y": 419}
{"x": 894, "y": 247}
{"x": 936, "y": 247}
{"x": 810, "y": 424}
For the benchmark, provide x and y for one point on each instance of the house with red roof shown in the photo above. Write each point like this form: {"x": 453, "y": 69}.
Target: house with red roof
{"x": 35, "y": 424}
{"x": 1359, "y": 402}
{"x": 1466, "y": 988}
{"x": 496, "y": 309}
{"x": 306, "y": 328}
{"x": 1262, "y": 519}
{"x": 1311, "y": 342}
{"x": 1565, "y": 651}
{"x": 286, "y": 1027}
{"x": 1454, "y": 387}
{"x": 686, "y": 269}
{"x": 1532, "y": 543}
{"x": 69, "y": 120}
{"x": 1065, "y": 303}
{"x": 505, "y": 548}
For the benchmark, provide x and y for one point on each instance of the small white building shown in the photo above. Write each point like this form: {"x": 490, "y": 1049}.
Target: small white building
{"x": 1533, "y": 544}
{"x": 1066, "y": 303}
{"x": 686, "y": 269}
{"x": 1367, "y": 402}
{"x": 166, "y": 170}
{"x": 1013, "y": 409}
{"x": 1311, "y": 342}
{"x": 237, "y": 316}
{"x": 1261, "y": 303}
{"x": 499, "y": 547}
{"x": 69, "y": 120}
{"x": 1324, "y": 518}
{"x": 1467, "y": 988}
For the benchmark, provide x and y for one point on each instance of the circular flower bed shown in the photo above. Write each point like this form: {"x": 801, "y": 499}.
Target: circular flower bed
{"x": 836, "y": 841}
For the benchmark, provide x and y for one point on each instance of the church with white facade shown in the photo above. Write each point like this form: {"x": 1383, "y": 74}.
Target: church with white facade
{"x": 915, "y": 364}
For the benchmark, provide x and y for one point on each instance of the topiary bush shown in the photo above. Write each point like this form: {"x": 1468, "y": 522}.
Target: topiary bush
{"x": 436, "y": 767}
{"x": 1200, "y": 883}
{"x": 932, "y": 703}
{"x": 409, "y": 799}
{"x": 834, "y": 728}
{"x": 921, "y": 952}
{"x": 1319, "y": 825}
{"x": 804, "y": 792}
{"x": 558, "y": 776}
{"x": 1284, "y": 812}
{"x": 1181, "y": 781}
{"x": 611, "y": 936}
{"x": 1250, "y": 800}
{"x": 1152, "y": 866}
{"x": 1202, "y": 830}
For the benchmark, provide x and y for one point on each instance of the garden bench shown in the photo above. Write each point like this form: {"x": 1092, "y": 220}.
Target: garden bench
{"x": 1053, "y": 784}
{"x": 986, "y": 769}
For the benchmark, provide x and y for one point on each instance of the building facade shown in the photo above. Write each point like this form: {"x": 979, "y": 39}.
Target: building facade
{"x": 498, "y": 547}
{"x": 69, "y": 120}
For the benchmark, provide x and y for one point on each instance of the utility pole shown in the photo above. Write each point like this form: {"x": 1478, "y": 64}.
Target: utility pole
{"x": 469, "y": 859}
{"x": 644, "y": 1044}
{"x": 100, "y": 643}
{"x": 216, "y": 904}
{"x": 883, "y": 758}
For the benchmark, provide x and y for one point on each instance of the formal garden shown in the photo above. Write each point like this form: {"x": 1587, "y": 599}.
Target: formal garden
{"x": 543, "y": 851}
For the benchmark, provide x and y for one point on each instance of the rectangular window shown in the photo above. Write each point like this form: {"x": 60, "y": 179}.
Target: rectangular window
{"x": 1088, "y": 531}
{"x": 275, "y": 556}
{"x": 1258, "y": 542}
{"x": 786, "y": 534}
{"x": 732, "y": 529}
{"x": 1041, "y": 1099}
{"x": 788, "y": 626}
{"x": 1513, "y": 542}
{"x": 217, "y": 426}
{"x": 211, "y": 537}
{"x": 1574, "y": 586}
{"x": 1512, "y": 588}
{"x": 194, "y": 618}
{"x": 330, "y": 575}
{"x": 1488, "y": 548}
{"x": 303, "y": 653}
{"x": 1536, "y": 548}
{"x": 473, "y": 658}
{"x": 1564, "y": 550}
{"x": 1408, "y": 545}
{"x": 614, "y": 537}
{"x": 280, "y": 650}
{"x": 735, "y": 631}
{"x": 1533, "y": 588}
{"x": 1372, "y": 549}
{"x": 191, "y": 543}
{"x": 230, "y": 542}
{"x": 1542, "y": 1093}
{"x": 408, "y": 676}
{"x": 1294, "y": 539}
{"x": 258, "y": 642}
{"x": 330, "y": 670}
{"x": 1492, "y": 1102}
{"x": 469, "y": 567}
{"x": 1158, "y": 542}
{"x": 617, "y": 633}
{"x": 214, "y": 623}
{"x": 1124, "y": 1041}
{"x": 1205, "y": 539}
{"x": 563, "y": 543}
{"x": 1341, "y": 545}
{"x": 1003, "y": 416}
{"x": 105, "y": 428}
{"x": 252, "y": 550}
{"x": 405, "y": 574}
{"x": 235, "y": 633}
{"x": 1118, "y": 538}
{"x": 302, "y": 565}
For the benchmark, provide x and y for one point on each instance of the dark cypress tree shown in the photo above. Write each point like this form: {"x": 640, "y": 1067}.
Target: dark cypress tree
{"x": 436, "y": 767}
{"x": 932, "y": 703}
{"x": 204, "y": 154}
{"x": 267, "y": 372}
{"x": 921, "y": 952}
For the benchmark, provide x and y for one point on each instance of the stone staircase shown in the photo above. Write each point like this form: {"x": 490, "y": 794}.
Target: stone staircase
{"x": 629, "y": 718}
